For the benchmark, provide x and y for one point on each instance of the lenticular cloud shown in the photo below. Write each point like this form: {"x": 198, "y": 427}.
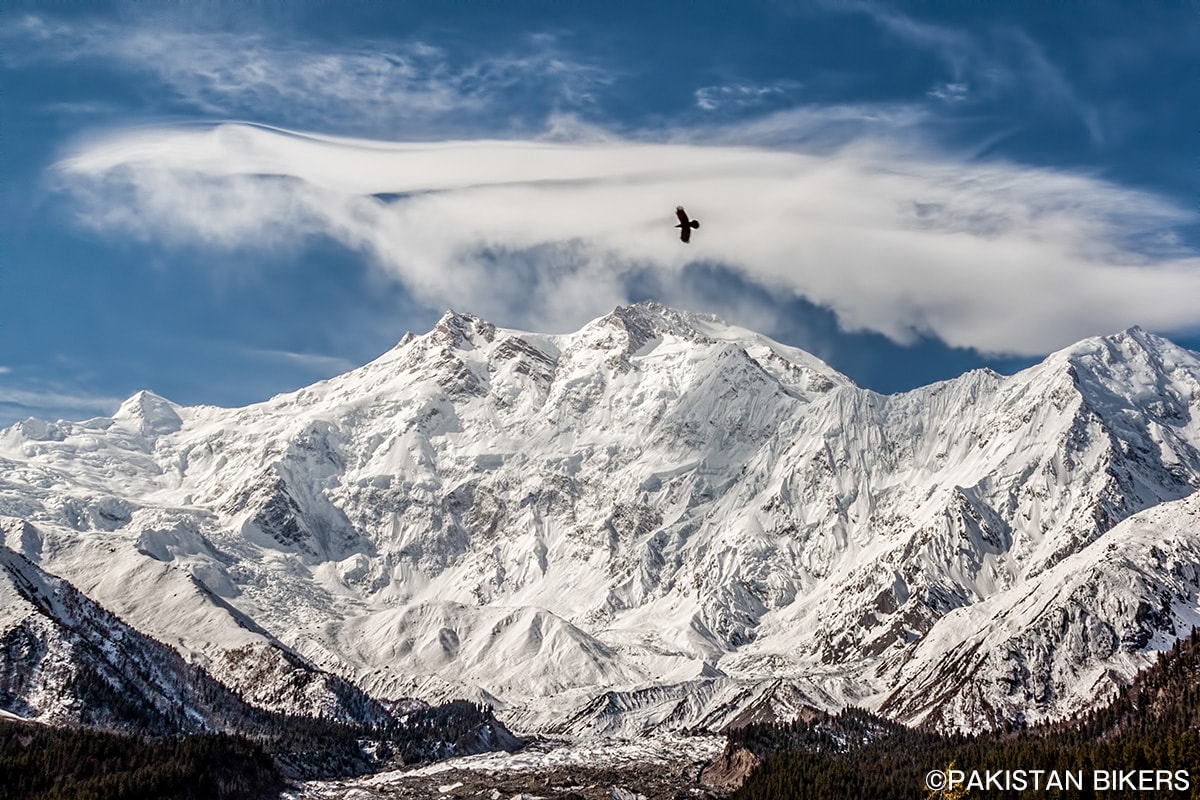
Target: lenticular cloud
{"x": 994, "y": 256}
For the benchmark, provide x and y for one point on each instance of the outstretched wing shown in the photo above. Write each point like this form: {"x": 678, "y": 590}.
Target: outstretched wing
{"x": 685, "y": 233}
{"x": 683, "y": 217}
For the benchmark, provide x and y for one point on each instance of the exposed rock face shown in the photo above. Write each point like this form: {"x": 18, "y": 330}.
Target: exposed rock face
{"x": 730, "y": 768}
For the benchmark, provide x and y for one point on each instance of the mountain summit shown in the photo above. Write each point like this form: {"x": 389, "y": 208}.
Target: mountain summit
{"x": 658, "y": 521}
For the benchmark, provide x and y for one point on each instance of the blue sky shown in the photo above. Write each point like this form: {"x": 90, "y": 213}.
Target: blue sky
{"x": 220, "y": 203}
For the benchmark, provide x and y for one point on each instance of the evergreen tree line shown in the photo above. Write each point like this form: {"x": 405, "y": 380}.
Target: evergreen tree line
{"x": 40, "y": 762}
{"x": 1152, "y": 724}
{"x": 308, "y": 748}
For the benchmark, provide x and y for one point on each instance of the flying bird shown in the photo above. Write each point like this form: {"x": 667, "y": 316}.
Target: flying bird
{"x": 685, "y": 225}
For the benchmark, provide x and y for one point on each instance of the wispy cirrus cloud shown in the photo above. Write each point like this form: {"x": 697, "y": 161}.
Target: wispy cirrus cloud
{"x": 817, "y": 129}
{"x": 369, "y": 86}
{"x": 995, "y": 61}
{"x": 314, "y": 362}
{"x": 995, "y": 256}
{"x": 950, "y": 92}
{"x": 739, "y": 96}
{"x": 51, "y": 402}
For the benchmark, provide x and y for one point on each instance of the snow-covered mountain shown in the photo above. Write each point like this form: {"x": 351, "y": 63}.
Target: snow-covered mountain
{"x": 659, "y": 521}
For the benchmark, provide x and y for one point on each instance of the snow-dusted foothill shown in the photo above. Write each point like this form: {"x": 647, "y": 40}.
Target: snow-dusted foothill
{"x": 67, "y": 661}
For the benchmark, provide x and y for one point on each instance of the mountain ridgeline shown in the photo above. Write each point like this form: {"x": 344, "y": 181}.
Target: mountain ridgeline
{"x": 660, "y": 522}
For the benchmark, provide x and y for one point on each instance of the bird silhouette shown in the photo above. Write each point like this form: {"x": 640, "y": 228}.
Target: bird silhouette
{"x": 685, "y": 225}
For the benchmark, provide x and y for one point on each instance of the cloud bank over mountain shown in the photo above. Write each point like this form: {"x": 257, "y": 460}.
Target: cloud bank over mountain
{"x": 996, "y": 256}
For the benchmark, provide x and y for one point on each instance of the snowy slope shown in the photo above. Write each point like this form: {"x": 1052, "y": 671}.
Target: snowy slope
{"x": 660, "y": 520}
{"x": 1058, "y": 641}
{"x": 68, "y": 661}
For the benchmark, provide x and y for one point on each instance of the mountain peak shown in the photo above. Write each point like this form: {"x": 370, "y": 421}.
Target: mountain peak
{"x": 463, "y": 330}
{"x": 653, "y": 316}
{"x": 1137, "y": 335}
{"x": 155, "y": 414}
{"x": 637, "y": 325}
{"x": 1143, "y": 339}
{"x": 1130, "y": 346}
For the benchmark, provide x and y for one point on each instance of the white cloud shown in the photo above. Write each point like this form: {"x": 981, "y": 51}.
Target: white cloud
{"x": 310, "y": 361}
{"x": 741, "y": 95}
{"x": 370, "y": 86}
{"x": 18, "y": 403}
{"x": 78, "y": 109}
{"x": 958, "y": 49}
{"x": 1001, "y": 60}
{"x": 994, "y": 256}
{"x": 824, "y": 129}
{"x": 951, "y": 92}
{"x": 1049, "y": 84}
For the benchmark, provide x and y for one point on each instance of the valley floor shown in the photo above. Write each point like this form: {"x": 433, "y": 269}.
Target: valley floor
{"x": 659, "y": 768}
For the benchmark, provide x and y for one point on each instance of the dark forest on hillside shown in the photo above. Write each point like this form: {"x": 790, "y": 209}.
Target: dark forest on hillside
{"x": 1152, "y": 724}
{"x": 40, "y": 762}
